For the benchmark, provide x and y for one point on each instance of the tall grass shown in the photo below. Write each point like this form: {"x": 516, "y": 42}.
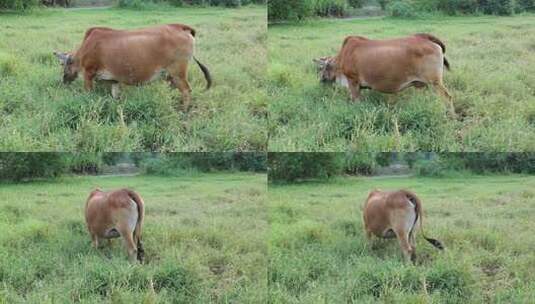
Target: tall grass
{"x": 40, "y": 113}
{"x": 491, "y": 82}
{"x": 204, "y": 237}
{"x": 319, "y": 253}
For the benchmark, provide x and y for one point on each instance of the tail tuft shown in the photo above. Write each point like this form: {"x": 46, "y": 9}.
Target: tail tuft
{"x": 435, "y": 243}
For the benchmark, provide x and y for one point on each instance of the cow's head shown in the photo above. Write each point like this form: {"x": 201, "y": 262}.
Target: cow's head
{"x": 326, "y": 67}
{"x": 70, "y": 66}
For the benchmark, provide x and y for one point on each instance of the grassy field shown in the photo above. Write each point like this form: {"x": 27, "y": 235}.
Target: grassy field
{"x": 319, "y": 254}
{"x": 204, "y": 236}
{"x": 39, "y": 113}
{"x": 492, "y": 82}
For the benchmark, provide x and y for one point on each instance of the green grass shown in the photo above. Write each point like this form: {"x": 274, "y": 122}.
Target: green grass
{"x": 492, "y": 82}
{"x": 319, "y": 253}
{"x": 204, "y": 237}
{"x": 39, "y": 113}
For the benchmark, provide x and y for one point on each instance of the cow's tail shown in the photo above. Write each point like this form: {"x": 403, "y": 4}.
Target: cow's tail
{"x": 206, "y": 73}
{"x": 139, "y": 224}
{"x": 419, "y": 215}
{"x": 439, "y": 42}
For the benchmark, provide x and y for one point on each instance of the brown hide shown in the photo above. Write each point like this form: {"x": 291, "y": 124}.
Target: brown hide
{"x": 134, "y": 57}
{"x": 388, "y": 66}
{"x": 395, "y": 215}
{"x": 114, "y": 214}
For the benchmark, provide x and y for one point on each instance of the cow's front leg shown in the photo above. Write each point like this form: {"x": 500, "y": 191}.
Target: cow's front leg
{"x": 94, "y": 241}
{"x": 354, "y": 89}
{"x": 88, "y": 80}
{"x": 116, "y": 90}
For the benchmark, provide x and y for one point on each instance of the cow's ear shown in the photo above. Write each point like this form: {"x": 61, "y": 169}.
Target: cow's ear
{"x": 63, "y": 57}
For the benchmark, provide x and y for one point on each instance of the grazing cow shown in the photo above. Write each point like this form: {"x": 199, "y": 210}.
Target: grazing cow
{"x": 134, "y": 57}
{"x": 115, "y": 214}
{"x": 388, "y": 66}
{"x": 395, "y": 214}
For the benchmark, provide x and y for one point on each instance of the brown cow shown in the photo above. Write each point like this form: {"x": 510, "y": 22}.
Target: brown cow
{"x": 113, "y": 214}
{"x": 388, "y": 66}
{"x": 134, "y": 57}
{"x": 395, "y": 214}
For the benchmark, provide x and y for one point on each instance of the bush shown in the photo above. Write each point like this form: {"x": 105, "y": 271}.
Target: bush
{"x": 289, "y": 167}
{"x": 384, "y": 3}
{"x": 525, "y": 5}
{"x": 21, "y": 166}
{"x": 85, "y": 163}
{"x": 497, "y": 7}
{"x": 493, "y": 162}
{"x": 360, "y": 164}
{"x": 227, "y": 3}
{"x": 134, "y": 4}
{"x": 356, "y": 3}
{"x": 434, "y": 168}
{"x": 289, "y": 10}
{"x": 453, "y": 7}
{"x": 401, "y": 9}
{"x": 18, "y": 5}
{"x": 173, "y": 163}
{"x": 337, "y": 8}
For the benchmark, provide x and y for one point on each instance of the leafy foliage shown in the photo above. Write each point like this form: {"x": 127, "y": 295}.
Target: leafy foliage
{"x": 173, "y": 163}
{"x": 19, "y": 166}
{"x": 288, "y": 167}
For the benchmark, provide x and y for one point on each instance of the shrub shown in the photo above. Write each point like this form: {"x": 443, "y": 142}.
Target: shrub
{"x": 497, "y": 7}
{"x": 20, "y": 166}
{"x": 176, "y": 2}
{"x": 356, "y": 3}
{"x": 173, "y": 163}
{"x": 289, "y": 10}
{"x": 336, "y": 8}
{"x": 135, "y": 4}
{"x": 289, "y": 167}
{"x": 433, "y": 168}
{"x": 18, "y": 5}
{"x": 384, "y": 3}
{"x": 360, "y": 163}
{"x": 401, "y": 9}
{"x": 85, "y": 163}
{"x": 525, "y": 5}
{"x": 453, "y": 7}
{"x": 493, "y": 162}
{"x": 383, "y": 159}
{"x": 227, "y": 3}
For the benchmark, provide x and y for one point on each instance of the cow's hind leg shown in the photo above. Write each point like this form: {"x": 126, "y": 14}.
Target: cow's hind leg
{"x": 179, "y": 74}
{"x": 403, "y": 238}
{"x": 441, "y": 89}
{"x": 128, "y": 237}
